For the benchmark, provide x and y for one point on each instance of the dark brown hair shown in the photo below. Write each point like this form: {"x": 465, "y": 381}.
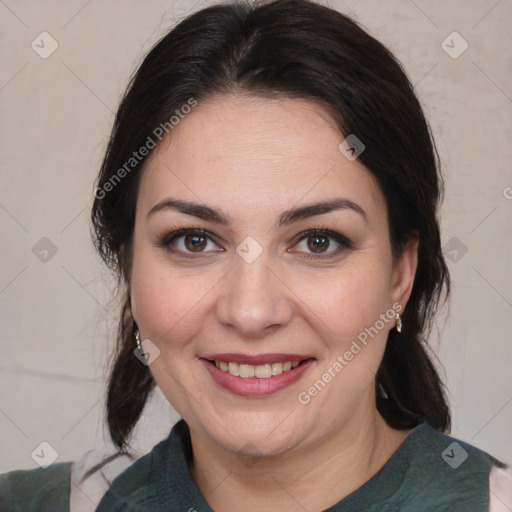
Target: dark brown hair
{"x": 287, "y": 49}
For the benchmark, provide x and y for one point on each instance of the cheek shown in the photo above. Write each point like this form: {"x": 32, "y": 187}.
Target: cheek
{"x": 347, "y": 317}
{"x": 167, "y": 305}
{"x": 346, "y": 302}
{"x": 345, "y": 310}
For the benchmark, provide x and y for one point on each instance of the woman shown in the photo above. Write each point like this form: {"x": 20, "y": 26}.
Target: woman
{"x": 268, "y": 199}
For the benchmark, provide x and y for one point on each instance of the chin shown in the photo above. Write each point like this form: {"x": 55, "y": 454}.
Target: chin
{"x": 263, "y": 435}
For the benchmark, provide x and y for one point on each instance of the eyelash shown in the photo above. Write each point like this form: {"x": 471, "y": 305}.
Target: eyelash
{"x": 344, "y": 243}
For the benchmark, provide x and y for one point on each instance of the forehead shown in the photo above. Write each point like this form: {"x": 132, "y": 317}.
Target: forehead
{"x": 236, "y": 152}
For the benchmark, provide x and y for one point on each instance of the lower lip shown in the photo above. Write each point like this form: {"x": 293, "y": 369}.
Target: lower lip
{"x": 252, "y": 386}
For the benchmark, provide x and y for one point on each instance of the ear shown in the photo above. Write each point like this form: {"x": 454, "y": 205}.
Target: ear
{"x": 404, "y": 272}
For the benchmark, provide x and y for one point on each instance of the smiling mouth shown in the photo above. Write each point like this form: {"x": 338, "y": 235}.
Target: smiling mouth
{"x": 260, "y": 371}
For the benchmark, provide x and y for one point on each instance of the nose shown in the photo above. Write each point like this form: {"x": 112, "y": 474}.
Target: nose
{"x": 254, "y": 300}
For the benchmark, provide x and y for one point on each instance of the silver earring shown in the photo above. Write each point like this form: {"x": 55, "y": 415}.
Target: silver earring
{"x": 398, "y": 323}
{"x": 137, "y": 339}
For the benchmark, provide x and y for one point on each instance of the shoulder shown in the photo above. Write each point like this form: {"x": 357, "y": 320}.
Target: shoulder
{"x": 132, "y": 486}
{"x": 450, "y": 452}
{"x": 430, "y": 471}
{"x": 448, "y": 471}
{"x": 159, "y": 480}
{"x": 38, "y": 490}
{"x": 60, "y": 487}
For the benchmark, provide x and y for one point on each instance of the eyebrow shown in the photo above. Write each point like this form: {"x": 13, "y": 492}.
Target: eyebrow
{"x": 311, "y": 210}
{"x": 194, "y": 209}
{"x": 286, "y": 218}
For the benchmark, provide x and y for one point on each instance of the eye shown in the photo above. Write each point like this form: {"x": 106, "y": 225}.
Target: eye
{"x": 321, "y": 242}
{"x": 318, "y": 243}
{"x": 189, "y": 241}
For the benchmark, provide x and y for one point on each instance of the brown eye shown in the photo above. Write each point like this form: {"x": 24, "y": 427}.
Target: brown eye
{"x": 321, "y": 243}
{"x": 195, "y": 243}
{"x": 190, "y": 242}
{"x": 318, "y": 243}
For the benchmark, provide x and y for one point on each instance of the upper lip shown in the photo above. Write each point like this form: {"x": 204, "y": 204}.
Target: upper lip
{"x": 256, "y": 359}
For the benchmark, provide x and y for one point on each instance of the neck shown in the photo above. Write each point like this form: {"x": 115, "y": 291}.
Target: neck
{"x": 336, "y": 466}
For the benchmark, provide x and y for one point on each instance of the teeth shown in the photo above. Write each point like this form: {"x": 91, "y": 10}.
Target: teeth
{"x": 246, "y": 371}
{"x": 234, "y": 369}
{"x": 261, "y": 371}
{"x": 277, "y": 368}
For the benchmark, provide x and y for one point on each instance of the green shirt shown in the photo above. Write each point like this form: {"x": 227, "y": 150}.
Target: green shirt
{"x": 41, "y": 490}
{"x": 428, "y": 472}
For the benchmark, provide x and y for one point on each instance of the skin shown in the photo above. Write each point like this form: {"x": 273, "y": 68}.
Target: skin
{"x": 254, "y": 158}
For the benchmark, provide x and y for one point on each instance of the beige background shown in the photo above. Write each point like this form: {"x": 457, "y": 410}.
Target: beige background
{"x": 55, "y": 117}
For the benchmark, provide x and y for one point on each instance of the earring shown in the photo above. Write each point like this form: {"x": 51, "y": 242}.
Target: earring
{"x": 137, "y": 339}
{"x": 398, "y": 323}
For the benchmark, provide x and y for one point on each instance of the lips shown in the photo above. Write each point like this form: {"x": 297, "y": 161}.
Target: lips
{"x": 258, "y": 376}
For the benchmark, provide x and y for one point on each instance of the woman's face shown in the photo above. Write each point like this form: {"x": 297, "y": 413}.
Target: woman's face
{"x": 286, "y": 259}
